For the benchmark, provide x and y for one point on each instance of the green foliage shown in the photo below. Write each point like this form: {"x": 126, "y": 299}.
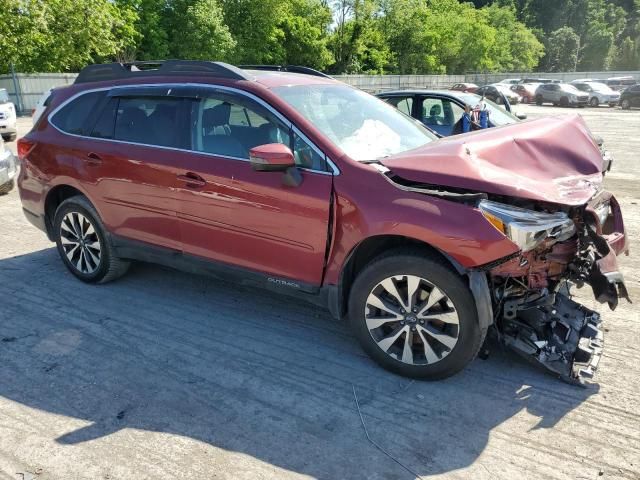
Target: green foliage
{"x": 197, "y": 31}
{"x": 562, "y": 47}
{"x": 352, "y": 36}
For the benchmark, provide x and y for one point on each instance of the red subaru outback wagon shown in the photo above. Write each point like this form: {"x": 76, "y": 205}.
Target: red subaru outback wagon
{"x": 287, "y": 178}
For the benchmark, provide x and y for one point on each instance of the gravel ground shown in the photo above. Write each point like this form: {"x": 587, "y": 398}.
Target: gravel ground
{"x": 165, "y": 375}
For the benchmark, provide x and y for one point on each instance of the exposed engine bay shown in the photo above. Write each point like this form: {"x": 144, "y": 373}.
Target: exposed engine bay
{"x": 533, "y": 310}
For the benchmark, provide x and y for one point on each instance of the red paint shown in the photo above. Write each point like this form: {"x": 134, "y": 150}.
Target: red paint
{"x": 221, "y": 209}
{"x": 552, "y": 159}
{"x": 273, "y": 155}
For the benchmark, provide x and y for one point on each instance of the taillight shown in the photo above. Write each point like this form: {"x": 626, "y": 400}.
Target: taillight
{"x": 24, "y": 148}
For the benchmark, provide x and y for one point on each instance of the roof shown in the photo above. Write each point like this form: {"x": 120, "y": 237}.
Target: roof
{"x": 414, "y": 91}
{"x": 267, "y": 75}
{"x": 279, "y": 79}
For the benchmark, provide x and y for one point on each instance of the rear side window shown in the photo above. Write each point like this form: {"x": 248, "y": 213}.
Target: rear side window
{"x": 150, "y": 121}
{"x": 74, "y": 116}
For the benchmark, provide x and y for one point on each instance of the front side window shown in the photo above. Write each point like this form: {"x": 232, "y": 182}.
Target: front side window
{"x": 74, "y": 116}
{"x": 441, "y": 114}
{"x": 404, "y": 104}
{"x": 363, "y": 126}
{"x": 231, "y": 125}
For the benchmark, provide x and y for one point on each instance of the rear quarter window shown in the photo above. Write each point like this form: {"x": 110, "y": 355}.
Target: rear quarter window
{"x": 74, "y": 116}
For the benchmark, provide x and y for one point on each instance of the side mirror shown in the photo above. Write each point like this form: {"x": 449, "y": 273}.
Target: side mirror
{"x": 271, "y": 157}
{"x": 521, "y": 116}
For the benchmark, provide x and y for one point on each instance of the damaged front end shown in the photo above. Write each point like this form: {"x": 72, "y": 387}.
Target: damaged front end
{"x": 534, "y": 312}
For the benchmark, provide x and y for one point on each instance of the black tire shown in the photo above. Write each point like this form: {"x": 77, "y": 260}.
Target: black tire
{"x": 594, "y": 102}
{"x": 564, "y": 102}
{"x": 10, "y": 138}
{"x": 538, "y": 100}
{"x": 626, "y": 104}
{"x": 7, "y": 187}
{"x": 109, "y": 266}
{"x": 401, "y": 264}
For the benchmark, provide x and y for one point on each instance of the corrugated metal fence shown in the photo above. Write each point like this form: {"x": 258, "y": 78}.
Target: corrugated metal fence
{"x": 32, "y": 86}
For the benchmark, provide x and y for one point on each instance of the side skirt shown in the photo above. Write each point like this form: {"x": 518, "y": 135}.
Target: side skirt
{"x": 136, "y": 250}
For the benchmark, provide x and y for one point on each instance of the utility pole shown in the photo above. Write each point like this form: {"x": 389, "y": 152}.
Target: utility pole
{"x": 16, "y": 88}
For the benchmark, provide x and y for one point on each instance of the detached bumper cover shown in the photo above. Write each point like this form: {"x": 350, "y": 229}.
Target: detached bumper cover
{"x": 562, "y": 335}
{"x": 609, "y": 240}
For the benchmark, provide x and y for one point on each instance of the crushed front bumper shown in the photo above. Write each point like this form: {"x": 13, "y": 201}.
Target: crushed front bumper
{"x": 561, "y": 335}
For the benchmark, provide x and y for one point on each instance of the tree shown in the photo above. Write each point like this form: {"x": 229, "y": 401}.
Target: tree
{"x": 562, "y": 48}
{"x": 197, "y": 31}
{"x": 628, "y": 55}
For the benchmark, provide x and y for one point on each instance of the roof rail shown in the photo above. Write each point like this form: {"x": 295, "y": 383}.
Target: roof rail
{"x": 119, "y": 71}
{"x": 286, "y": 68}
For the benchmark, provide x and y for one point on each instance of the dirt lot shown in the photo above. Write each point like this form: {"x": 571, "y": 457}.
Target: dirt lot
{"x": 164, "y": 375}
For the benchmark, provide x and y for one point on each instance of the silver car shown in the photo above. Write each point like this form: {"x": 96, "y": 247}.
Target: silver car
{"x": 562, "y": 94}
{"x": 8, "y": 168}
{"x": 599, "y": 93}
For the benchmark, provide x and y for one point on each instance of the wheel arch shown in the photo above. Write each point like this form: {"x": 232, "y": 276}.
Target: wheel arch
{"x": 370, "y": 248}
{"x": 54, "y": 198}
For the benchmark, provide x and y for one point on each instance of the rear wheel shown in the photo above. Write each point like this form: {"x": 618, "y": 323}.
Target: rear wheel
{"x": 10, "y": 138}
{"x": 415, "y": 316}
{"x": 539, "y": 100}
{"x": 626, "y": 104}
{"x": 594, "y": 102}
{"x": 82, "y": 242}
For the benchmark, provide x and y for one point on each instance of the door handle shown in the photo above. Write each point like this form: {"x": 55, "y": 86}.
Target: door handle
{"x": 192, "y": 179}
{"x": 93, "y": 159}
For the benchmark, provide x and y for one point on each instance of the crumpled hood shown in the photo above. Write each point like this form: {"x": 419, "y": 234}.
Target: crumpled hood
{"x": 552, "y": 159}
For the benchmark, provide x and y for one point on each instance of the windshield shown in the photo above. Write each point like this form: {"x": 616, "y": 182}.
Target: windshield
{"x": 498, "y": 116}
{"x": 363, "y": 126}
{"x": 570, "y": 88}
{"x": 4, "y": 96}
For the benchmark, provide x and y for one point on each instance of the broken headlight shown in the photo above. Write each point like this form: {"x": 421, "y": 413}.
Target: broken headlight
{"x": 527, "y": 228}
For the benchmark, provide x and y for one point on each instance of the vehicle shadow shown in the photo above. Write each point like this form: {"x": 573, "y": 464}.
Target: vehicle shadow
{"x": 247, "y": 371}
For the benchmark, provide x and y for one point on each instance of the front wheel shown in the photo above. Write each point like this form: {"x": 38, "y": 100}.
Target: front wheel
{"x": 594, "y": 102}
{"x": 415, "y": 316}
{"x": 82, "y": 242}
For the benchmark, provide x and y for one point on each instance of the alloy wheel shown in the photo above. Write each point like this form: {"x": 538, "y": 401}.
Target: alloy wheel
{"x": 412, "y": 320}
{"x": 80, "y": 242}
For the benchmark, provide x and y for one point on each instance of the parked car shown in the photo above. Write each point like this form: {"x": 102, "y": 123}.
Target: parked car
{"x": 316, "y": 189}
{"x": 465, "y": 87}
{"x": 526, "y": 91}
{"x": 621, "y": 83}
{"x": 7, "y": 117}
{"x": 493, "y": 93}
{"x": 441, "y": 110}
{"x": 562, "y": 94}
{"x": 510, "y": 81}
{"x": 41, "y": 104}
{"x": 599, "y": 93}
{"x": 630, "y": 97}
{"x": 8, "y": 168}
{"x": 539, "y": 80}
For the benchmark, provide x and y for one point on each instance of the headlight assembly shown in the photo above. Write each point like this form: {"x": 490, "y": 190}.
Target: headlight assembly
{"x": 527, "y": 228}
